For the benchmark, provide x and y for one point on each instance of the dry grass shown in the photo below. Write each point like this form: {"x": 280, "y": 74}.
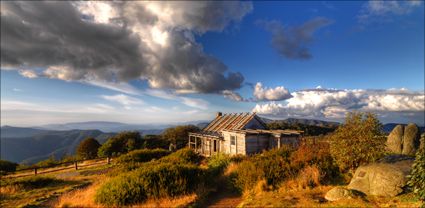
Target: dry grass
{"x": 308, "y": 177}
{"x": 81, "y": 197}
{"x": 182, "y": 201}
{"x": 314, "y": 197}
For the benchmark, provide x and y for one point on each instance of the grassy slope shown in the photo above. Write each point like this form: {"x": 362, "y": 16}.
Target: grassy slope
{"x": 15, "y": 196}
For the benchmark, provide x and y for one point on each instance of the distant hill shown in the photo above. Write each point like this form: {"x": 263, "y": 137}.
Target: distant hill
{"x": 390, "y": 126}
{"x": 104, "y": 126}
{"x": 31, "y": 145}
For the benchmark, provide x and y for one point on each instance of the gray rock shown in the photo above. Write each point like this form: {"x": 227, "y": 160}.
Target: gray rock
{"x": 381, "y": 179}
{"x": 339, "y": 193}
{"x": 395, "y": 140}
{"x": 411, "y": 139}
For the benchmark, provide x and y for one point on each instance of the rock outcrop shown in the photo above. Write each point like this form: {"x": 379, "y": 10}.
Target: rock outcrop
{"x": 395, "y": 140}
{"x": 404, "y": 140}
{"x": 383, "y": 178}
{"x": 339, "y": 193}
{"x": 411, "y": 139}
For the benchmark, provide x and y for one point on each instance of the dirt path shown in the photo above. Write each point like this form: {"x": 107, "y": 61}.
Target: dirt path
{"x": 223, "y": 197}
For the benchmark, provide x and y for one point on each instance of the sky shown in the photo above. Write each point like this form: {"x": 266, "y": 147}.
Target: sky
{"x": 163, "y": 62}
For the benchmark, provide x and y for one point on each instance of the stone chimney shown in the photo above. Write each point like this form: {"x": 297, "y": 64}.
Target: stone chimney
{"x": 219, "y": 114}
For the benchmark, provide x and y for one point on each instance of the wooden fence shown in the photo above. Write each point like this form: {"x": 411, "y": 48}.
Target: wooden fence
{"x": 34, "y": 170}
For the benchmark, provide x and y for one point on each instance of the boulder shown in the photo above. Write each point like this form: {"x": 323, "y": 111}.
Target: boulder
{"x": 383, "y": 178}
{"x": 339, "y": 193}
{"x": 395, "y": 140}
{"x": 411, "y": 139}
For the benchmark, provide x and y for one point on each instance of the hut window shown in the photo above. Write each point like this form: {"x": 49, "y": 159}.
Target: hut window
{"x": 233, "y": 140}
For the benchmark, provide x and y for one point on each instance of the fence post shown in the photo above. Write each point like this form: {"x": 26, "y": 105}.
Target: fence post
{"x": 35, "y": 171}
{"x": 76, "y": 165}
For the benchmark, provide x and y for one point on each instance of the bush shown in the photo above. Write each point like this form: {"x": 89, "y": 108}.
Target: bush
{"x": 7, "y": 166}
{"x": 32, "y": 182}
{"x": 247, "y": 175}
{"x": 276, "y": 165}
{"x": 142, "y": 155}
{"x": 317, "y": 155}
{"x": 154, "y": 141}
{"x": 360, "y": 140}
{"x": 179, "y": 135}
{"x": 273, "y": 166}
{"x": 51, "y": 161}
{"x": 217, "y": 163}
{"x": 184, "y": 155}
{"x": 150, "y": 181}
{"x": 417, "y": 176}
{"x": 87, "y": 149}
{"x": 120, "y": 143}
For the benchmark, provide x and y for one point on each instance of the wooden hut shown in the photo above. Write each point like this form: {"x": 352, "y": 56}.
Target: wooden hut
{"x": 239, "y": 133}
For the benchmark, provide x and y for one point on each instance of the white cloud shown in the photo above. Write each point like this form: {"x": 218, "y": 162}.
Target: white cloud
{"x": 231, "y": 95}
{"x": 330, "y": 103}
{"x": 374, "y": 10}
{"x": 126, "y": 101}
{"x": 270, "y": 94}
{"x": 28, "y": 73}
{"x": 195, "y": 103}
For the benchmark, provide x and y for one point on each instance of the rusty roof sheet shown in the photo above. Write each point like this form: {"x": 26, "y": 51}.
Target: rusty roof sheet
{"x": 232, "y": 121}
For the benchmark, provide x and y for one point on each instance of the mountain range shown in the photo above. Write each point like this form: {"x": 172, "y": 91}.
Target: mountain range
{"x": 30, "y": 145}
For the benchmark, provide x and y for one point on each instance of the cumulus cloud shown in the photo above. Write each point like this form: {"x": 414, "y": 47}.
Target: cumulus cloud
{"x": 231, "y": 95}
{"x": 376, "y": 10}
{"x": 28, "y": 73}
{"x": 293, "y": 42}
{"x": 334, "y": 104}
{"x": 114, "y": 42}
{"x": 126, "y": 101}
{"x": 270, "y": 94}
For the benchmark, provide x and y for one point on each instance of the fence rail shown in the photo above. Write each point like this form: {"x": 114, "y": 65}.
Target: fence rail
{"x": 57, "y": 167}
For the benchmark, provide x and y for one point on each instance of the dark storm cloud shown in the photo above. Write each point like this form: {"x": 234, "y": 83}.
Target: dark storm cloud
{"x": 293, "y": 42}
{"x": 77, "y": 41}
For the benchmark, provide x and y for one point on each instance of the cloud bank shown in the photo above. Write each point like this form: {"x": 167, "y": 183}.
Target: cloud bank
{"x": 270, "y": 94}
{"x": 390, "y": 105}
{"x": 293, "y": 42}
{"x": 114, "y": 42}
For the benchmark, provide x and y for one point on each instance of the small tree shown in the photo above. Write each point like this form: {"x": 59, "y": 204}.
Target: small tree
{"x": 179, "y": 135}
{"x": 120, "y": 143}
{"x": 417, "y": 176}
{"x": 358, "y": 141}
{"x": 7, "y": 166}
{"x": 87, "y": 149}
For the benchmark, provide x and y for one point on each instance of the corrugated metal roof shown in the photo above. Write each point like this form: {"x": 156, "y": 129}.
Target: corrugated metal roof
{"x": 232, "y": 121}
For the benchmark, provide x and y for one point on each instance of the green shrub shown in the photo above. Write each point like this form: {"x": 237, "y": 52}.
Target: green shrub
{"x": 178, "y": 135}
{"x": 7, "y": 166}
{"x": 273, "y": 166}
{"x": 32, "y": 182}
{"x": 120, "y": 143}
{"x": 360, "y": 140}
{"x": 152, "y": 180}
{"x": 87, "y": 149}
{"x": 51, "y": 161}
{"x": 417, "y": 176}
{"x": 247, "y": 175}
{"x": 217, "y": 163}
{"x": 238, "y": 158}
{"x": 276, "y": 165}
{"x": 142, "y": 155}
{"x": 184, "y": 155}
{"x": 317, "y": 155}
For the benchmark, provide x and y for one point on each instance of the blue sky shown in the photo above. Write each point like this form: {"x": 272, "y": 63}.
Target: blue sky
{"x": 313, "y": 59}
